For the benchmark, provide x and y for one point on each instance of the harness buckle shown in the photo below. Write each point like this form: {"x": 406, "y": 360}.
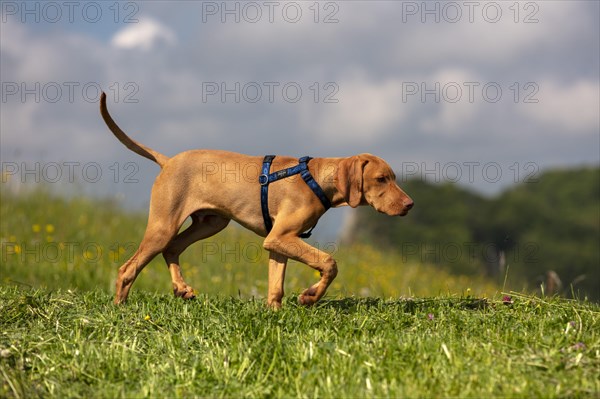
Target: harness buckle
{"x": 263, "y": 179}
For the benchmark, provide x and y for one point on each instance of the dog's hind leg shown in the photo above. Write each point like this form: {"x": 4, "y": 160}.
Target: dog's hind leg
{"x": 156, "y": 238}
{"x": 202, "y": 226}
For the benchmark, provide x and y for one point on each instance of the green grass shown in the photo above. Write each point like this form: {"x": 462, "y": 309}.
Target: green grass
{"x": 77, "y": 344}
{"x": 439, "y": 335}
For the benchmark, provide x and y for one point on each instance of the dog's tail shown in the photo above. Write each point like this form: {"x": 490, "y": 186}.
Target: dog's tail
{"x": 133, "y": 145}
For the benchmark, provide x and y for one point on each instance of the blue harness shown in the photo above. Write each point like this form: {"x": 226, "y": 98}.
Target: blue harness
{"x": 266, "y": 178}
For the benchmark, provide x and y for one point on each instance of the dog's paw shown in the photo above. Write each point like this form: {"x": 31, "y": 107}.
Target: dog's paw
{"x": 189, "y": 295}
{"x": 119, "y": 301}
{"x": 185, "y": 292}
{"x": 307, "y": 298}
{"x": 274, "y": 305}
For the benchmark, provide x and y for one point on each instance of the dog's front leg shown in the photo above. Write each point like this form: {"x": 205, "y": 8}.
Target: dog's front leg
{"x": 277, "y": 265}
{"x": 294, "y": 248}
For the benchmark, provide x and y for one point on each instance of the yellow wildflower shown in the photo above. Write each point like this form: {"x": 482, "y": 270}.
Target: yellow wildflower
{"x": 49, "y": 229}
{"x": 36, "y": 228}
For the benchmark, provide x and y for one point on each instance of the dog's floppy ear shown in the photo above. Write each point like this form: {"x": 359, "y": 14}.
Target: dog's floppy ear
{"x": 349, "y": 180}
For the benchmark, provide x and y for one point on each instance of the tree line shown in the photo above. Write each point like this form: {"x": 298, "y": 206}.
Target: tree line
{"x": 541, "y": 234}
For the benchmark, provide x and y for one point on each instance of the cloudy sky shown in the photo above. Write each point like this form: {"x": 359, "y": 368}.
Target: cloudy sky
{"x": 481, "y": 93}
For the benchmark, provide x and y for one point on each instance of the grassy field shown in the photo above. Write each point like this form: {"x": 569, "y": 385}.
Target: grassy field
{"x": 76, "y": 344}
{"x": 388, "y": 328}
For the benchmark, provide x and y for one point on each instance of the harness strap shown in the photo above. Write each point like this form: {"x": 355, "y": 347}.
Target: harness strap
{"x": 263, "y": 179}
{"x": 266, "y": 178}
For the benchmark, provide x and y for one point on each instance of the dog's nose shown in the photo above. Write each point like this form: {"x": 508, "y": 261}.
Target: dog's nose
{"x": 409, "y": 205}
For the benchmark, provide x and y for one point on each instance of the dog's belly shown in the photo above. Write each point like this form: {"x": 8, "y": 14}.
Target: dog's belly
{"x": 219, "y": 182}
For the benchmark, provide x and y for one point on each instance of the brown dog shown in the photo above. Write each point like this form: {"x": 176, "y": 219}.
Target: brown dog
{"x": 213, "y": 187}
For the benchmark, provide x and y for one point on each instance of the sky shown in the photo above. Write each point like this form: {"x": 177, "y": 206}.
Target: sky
{"x": 481, "y": 94}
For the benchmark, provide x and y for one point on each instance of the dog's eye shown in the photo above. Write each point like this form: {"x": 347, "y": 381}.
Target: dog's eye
{"x": 381, "y": 179}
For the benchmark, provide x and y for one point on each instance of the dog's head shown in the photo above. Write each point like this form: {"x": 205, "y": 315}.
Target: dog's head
{"x": 368, "y": 180}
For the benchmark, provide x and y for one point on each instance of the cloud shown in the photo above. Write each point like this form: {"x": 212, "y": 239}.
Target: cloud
{"x": 539, "y": 26}
{"x": 370, "y": 109}
{"x": 455, "y": 110}
{"x": 574, "y": 108}
{"x": 367, "y": 109}
{"x": 143, "y": 35}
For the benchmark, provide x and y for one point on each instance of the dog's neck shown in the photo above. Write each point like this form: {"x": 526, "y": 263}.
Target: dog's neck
{"x": 325, "y": 173}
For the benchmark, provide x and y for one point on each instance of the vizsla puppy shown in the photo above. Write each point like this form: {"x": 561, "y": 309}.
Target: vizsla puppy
{"x": 213, "y": 187}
